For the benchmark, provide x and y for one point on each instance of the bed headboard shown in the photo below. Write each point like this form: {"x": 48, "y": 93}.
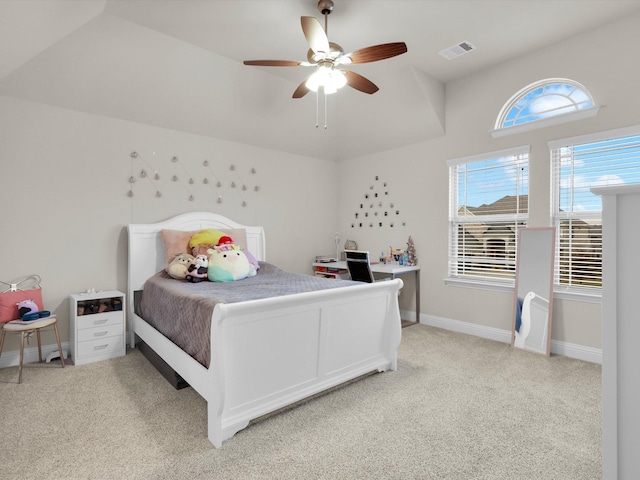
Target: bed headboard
{"x": 146, "y": 250}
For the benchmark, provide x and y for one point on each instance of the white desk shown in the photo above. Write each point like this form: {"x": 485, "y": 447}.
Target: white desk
{"x": 391, "y": 269}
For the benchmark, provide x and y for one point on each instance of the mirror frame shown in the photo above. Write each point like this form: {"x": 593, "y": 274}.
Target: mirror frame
{"x": 536, "y": 253}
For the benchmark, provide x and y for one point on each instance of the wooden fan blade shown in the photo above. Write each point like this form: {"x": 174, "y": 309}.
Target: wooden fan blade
{"x": 358, "y": 82}
{"x": 272, "y": 63}
{"x": 315, "y": 34}
{"x": 377, "y": 52}
{"x": 302, "y": 90}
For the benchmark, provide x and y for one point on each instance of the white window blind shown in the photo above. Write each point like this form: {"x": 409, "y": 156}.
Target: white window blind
{"x": 578, "y": 165}
{"x": 488, "y": 204}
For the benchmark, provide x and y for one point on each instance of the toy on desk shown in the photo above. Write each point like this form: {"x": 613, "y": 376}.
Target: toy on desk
{"x": 410, "y": 253}
{"x": 28, "y": 310}
{"x": 395, "y": 255}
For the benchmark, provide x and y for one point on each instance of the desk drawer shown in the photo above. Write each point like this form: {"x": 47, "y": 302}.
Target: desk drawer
{"x": 100, "y": 320}
{"x": 87, "y": 334}
{"x": 100, "y": 346}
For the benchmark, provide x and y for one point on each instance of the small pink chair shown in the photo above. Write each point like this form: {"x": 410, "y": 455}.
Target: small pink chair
{"x": 10, "y": 318}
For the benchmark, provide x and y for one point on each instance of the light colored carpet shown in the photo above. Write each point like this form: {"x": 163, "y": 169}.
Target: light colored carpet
{"x": 459, "y": 407}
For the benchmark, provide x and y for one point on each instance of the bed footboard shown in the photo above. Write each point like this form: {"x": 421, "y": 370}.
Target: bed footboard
{"x": 267, "y": 354}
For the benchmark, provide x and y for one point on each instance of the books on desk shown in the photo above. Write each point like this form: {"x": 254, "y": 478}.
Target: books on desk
{"x": 325, "y": 259}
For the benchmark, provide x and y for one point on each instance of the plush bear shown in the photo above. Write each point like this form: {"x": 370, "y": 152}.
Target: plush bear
{"x": 197, "y": 270}
{"x": 228, "y": 263}
{"x": 28, "y": 310}
{"x": 178, "y": 267}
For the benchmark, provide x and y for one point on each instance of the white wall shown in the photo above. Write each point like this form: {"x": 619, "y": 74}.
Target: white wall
{"x": 63, "y": 190}
{"x": 603, "y": 62}
{"x": 63, "y": 184}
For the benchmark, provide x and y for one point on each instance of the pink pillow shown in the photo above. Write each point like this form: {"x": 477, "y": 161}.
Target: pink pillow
{"x": 9, "y": 303}
{"x": 177, "y": 241}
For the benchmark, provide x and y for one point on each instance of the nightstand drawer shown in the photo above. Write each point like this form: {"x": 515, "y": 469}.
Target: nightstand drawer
{"x": 100, "y": 346}
{"x": 106, "y": 331}
{"x": 94, "y": 335}
{"x": 100, "y": 320}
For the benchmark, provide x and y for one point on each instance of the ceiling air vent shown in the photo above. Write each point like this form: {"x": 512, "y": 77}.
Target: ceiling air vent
{"x": 457, "y": 50}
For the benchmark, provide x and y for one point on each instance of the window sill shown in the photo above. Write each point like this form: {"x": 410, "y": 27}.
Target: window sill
{"x": 559, "y": 293}
{"x": 577, "y": 296}
{"x": 480, "y": 284}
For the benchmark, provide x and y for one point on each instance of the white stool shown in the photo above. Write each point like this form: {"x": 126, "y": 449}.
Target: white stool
{"x": 27, "y": 328}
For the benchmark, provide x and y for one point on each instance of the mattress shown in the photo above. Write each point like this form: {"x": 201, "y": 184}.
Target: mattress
{"x": 182, "y": 310}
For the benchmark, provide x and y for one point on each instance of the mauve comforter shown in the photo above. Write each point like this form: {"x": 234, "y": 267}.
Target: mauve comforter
{"x": 182, "y": 311}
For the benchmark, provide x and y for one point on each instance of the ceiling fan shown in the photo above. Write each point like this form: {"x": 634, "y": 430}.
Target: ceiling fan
{"x": 328, "y": 58}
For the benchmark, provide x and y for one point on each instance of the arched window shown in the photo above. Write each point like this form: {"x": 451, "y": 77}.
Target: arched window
{"x": 544, "y": 103}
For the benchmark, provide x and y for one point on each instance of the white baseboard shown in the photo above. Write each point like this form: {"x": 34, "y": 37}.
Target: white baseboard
{"x": 11, "y": 358}
{"x": 572, "y": 350}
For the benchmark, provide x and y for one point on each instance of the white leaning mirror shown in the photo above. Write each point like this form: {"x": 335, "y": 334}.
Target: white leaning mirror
{"x": 533, "y": 299}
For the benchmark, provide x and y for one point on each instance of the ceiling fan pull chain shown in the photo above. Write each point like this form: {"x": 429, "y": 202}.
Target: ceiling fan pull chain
{"x": 317, "y": 107}
{"x": 325, "y": 108}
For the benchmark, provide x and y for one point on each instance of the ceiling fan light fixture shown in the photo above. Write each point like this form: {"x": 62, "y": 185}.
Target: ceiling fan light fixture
{"x": 326, "y": 56}
{"x": 330, "y": 79}
{"x": 329, "y": 88}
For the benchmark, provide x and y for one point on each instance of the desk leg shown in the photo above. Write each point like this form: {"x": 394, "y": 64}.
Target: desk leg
{"x": 417, "y": 296}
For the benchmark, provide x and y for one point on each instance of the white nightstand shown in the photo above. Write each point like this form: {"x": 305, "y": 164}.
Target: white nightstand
{"x": 97, "y": 326}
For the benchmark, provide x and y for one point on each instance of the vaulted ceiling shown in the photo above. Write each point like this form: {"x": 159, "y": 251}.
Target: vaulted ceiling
{"x": 178, "y": 63}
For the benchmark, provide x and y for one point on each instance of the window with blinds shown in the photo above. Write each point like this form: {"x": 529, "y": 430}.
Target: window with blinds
{"x": 488, "y": 204}
{"x": 579, "y": 164}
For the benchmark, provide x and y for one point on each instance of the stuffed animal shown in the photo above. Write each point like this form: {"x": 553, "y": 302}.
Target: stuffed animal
{"x": 29, "y": 310}
{"x": 205, "y": 237}
{"x": 225, "y": 240}
{"x": 252, "y": 260}
{"x": 178, "y": 267}
{"x": 202, "y": 248}
{"x": 228, "y": 263}
{"x": 203, "y": 240}
{"x": 198, "y": 268}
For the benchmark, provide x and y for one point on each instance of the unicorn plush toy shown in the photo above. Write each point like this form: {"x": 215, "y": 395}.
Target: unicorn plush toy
{"x": 228, "y": 263}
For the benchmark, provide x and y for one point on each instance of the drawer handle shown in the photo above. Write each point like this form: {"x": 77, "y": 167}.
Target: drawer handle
{"x": 101, "y": 334}
{"x": 101, "y": 347}
{"x": 100, "y": 322}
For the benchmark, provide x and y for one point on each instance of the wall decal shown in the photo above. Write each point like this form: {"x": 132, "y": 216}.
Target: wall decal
{"x": 379, "y": 208}
{"x": 214, "y": 179}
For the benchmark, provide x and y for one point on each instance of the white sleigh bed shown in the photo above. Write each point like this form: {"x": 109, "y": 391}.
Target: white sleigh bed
{"x": 269, "y": 353}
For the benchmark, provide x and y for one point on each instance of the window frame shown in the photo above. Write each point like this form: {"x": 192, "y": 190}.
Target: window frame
{"x": 577, "y": 114}
{"x": 590, "y": 294}
{"x": 454, "y": 220}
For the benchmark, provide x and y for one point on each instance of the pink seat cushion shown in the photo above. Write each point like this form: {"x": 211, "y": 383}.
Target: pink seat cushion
{"x": 9, "y": 303}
